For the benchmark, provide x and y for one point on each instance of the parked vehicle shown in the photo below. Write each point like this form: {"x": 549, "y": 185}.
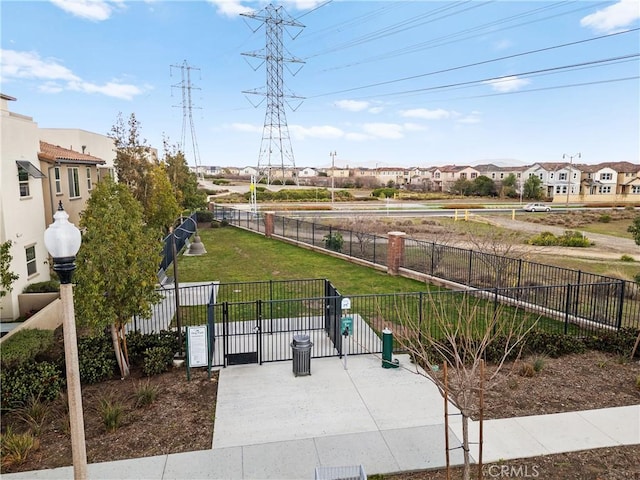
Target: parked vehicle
{"x": 537, "y": 207}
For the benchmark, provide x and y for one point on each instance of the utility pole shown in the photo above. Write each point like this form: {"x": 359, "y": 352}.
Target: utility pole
{"x": 571, "y": 157}
{"x": 333, "y": 173}
{"x": 187, "y": 113}
{"x": 275, "y": 134}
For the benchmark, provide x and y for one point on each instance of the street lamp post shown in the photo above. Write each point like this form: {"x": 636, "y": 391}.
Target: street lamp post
{"x": 62, "y": 239}
{"x": 571, "y": 157}
{"x": 333, "y": 173}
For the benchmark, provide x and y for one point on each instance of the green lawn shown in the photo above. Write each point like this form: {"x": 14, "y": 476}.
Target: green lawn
{"x": 617, "y": 228}
{"x": 234, "y": 255}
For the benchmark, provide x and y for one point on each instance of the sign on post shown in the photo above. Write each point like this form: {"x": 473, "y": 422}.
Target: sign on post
{"x": 346, "y": 303}
{"x": 197, "y": 348}
{"x": 346, "y": 326}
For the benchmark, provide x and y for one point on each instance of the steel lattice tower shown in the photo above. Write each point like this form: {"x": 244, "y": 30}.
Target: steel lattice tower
{"x": 187, "y": 112}
{"x": 275, "y": 149}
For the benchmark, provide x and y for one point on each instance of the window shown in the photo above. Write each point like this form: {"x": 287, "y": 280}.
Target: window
{"x": 519, "y": 175}
{"x": 502, "y": 175}
{"x": 89, "y": 186}
{"x": 541, "y": 175}
{"x": 562, "y": 176}
{"x": 605, "y": 189}
{"x": 437, "y": 175}
{"x": 606, "y": 176}
{"x": 58, "y": 179}
{"x": 635, "y": 189}
{"x": 493, "y": 175}
{"x": 31, "y": 260}
{"x": 474, "y": 175}
{"x": 74, "y": 183}
{"x": 551, "y": 175}
{"x": 23, "y": 180}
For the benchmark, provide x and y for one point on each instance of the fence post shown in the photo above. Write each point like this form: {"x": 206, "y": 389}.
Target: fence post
{"x": 395, "y": 251}
{"x": 268, "y": 224}
{"x": 567, "y": 308}
{"x": 374, "y": 248}
{"x": 621, "y": 305}
{"x": 433, "y": 253}
{"x": 225, "y": 333}
{"x": 495, "y": 309}
{"x": 519, "y": 271}
{"x": 271, "y": 305}
{"x": 259, "y": 330}
{"x": 313, "y": 234}
{"x": 470, "y": 267}
{"x": 420, "y": 317}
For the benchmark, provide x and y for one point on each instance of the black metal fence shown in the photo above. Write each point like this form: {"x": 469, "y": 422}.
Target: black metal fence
{"x": 459, "y": 265}
{"x": 254, "y": 322}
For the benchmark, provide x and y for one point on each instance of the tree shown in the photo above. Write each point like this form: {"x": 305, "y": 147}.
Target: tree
{"x": 483, "y": 186}
{"x": 634, "y": 229}
{"x": 117, "y": 264}
{"x": 533, "y": 188}
{"x": 133, "y": 156}
{"x": 183, "y": 181}
{"x": 509, "y": 186}
{"x": 462, "y": 186}
{"x": 7, "y": 277}
{"x": 463, "y": 330}
{"x": 162, "y": 207}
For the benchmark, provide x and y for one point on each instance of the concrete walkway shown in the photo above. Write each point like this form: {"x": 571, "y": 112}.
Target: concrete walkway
{"x": 270, "y": 424}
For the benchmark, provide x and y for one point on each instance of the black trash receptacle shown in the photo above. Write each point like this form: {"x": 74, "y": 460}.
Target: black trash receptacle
{"x": 301, "y": 347}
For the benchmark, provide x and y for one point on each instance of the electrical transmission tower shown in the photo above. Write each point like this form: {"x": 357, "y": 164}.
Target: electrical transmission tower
{"x": 187, "y": 113}
{"x": 276, "y": 153}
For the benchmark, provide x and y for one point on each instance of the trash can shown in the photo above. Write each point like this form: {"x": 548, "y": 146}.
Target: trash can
{"x": 301, "y": 347}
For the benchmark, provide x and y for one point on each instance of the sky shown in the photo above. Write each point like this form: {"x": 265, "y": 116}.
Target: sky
{"x": 401, "y": 83}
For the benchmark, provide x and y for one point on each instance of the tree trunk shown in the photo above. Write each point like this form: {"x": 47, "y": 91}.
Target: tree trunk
{"x": 122, "y": 362}
{"x": 466, "y": 472}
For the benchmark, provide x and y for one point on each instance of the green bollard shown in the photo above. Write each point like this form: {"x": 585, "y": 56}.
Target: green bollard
{"x": 387, "y": 350}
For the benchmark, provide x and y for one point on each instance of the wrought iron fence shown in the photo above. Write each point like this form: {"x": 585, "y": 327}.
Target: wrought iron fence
{"x": 258, "y": 325}
{"x": 459, "y": 265}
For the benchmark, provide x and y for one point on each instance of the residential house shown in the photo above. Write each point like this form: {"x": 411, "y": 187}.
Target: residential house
{"x": 444, "y": 177}
{"x": 22, "y": 216}
{"x": 597, "y": 180}
{"x": 71, "y": 177}
{"x": 397, "y": 175}
{"x": 248, "y": 172}
{"x": 559, "y": 180}
{"x": 308, "y": 172}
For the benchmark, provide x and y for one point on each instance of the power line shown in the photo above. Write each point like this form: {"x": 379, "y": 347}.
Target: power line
{"x": 475, "y": 64}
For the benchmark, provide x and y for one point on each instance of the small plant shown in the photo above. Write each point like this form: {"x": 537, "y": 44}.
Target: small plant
{"x": 157, "y": 360}
{"x": 626, "y": 258}
{"x": 145, "y": 394}
{"x": 604, "y": 218}
{"x": 16, "y": 447}
{"x": 112, "y": 413}
{"x": 526, "y": 370}
{"x": 333, "y": 241}
{"x": 538, "y": 363}
{"x": 512, "y": 383}
{"x": 602, "y": 363}
{"x": 34, "y": 413}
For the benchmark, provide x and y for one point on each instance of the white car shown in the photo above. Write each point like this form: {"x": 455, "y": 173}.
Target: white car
{"x": 537, "y": 207}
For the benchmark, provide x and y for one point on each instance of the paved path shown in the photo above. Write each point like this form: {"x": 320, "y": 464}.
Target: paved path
{"x": 270, "y": 424}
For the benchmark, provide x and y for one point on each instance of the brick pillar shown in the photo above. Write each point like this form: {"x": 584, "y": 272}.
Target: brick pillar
{"x": 395, "y": 251}
{"x": 268, "y": 224}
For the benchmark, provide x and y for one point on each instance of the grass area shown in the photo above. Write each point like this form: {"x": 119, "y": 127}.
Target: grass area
{"x": 601, "y": 267}
{"x": 617, "y": 228}
{"x": 234, "y": 255}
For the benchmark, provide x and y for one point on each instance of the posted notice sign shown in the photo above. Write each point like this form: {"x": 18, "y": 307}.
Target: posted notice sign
{"x": 197, "y": 345}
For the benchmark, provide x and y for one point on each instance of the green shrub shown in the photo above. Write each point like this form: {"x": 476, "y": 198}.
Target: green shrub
{"x": 626, "y": 258}
{"x": 552, "y": 344}
{"x": 604, "y": 218}
{"x": 50, "y": 286}
{"x": 157, "y": 360}
{"x": 637, "y": 278}
{"x": 204, "y": 216}
{"x": 333, "y": 241}
{"x": 544, "y": 239}
{"x": 24, "y": 346}
{"x": 385, "y": 192}
{"x": 619, "y": 343}
{"x": 96, "y": 359}
{"x": 571, "y": 238}
{"x": 33, "y": 414}
{"x": 138, "y": 343}
{"x": 43, "y": 380}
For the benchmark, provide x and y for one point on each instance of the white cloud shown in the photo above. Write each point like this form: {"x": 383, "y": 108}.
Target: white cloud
{"x": 230, "y": 8}
{"x": 352, "y": 105}
{"x": 426, "y": 114}
{"x": 321, "y": 131}
{"x": 96, "y": 10}
{"x": 302, "y": 4}
{"x": 375, "y": 110}
{"x": 613, "y": 17}
{"x": 56, "y": 77}
{"x": 391, "y": 131}
{"x": 473, "y": 117}
{"x": 507, "y": 84}
{"x": 414, "y": 127}
{"x": 357, "y": 137}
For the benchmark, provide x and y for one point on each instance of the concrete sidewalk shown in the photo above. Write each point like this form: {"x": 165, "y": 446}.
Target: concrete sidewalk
{"x": 270, "y": 424}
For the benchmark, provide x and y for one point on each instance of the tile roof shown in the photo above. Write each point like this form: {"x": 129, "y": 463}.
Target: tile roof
{"x": 54, "y": 153}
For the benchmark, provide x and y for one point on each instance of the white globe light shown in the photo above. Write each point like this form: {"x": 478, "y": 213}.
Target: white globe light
{"x": 62, "y": 238}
